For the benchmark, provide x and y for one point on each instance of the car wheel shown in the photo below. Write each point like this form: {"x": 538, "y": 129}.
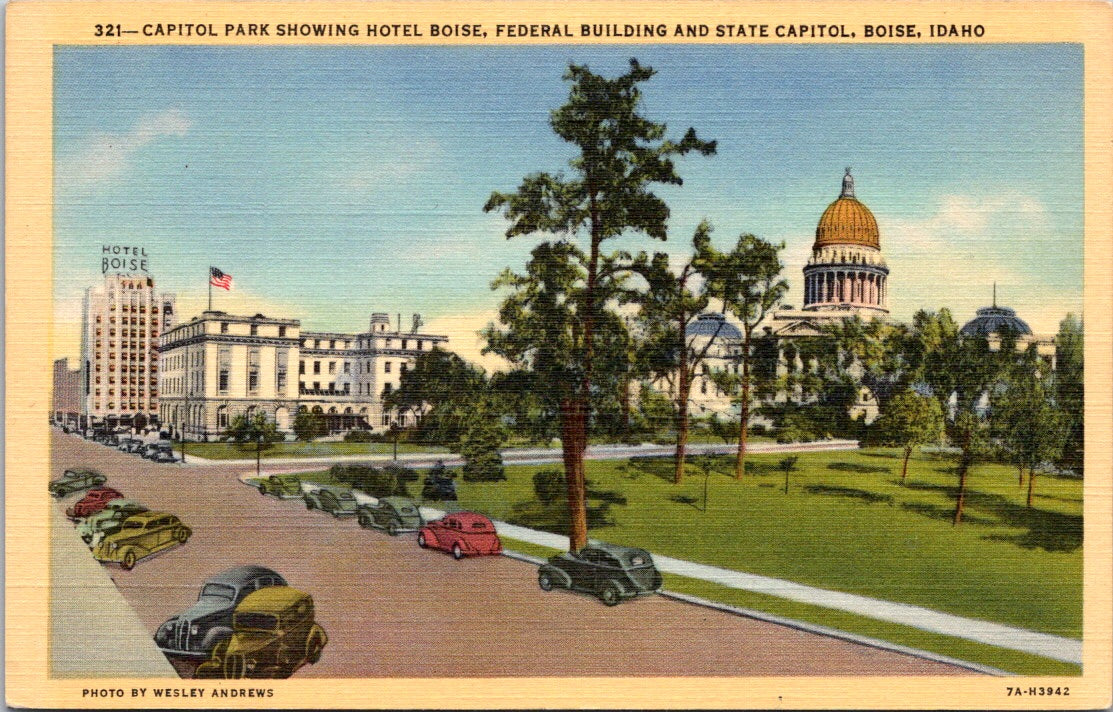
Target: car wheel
{"x": 544, "y": 581}
{"x": 421, "y": 540}
{"x": 392, "y": 528}
{"x": 129, "y": 560}
{"x": 313, "y": 649}
{"x": 263, "y": 491}
{"x": 234, "y": 666}
{"x": 610, "y": 594}
{"x": 182, "y": 535}
{"x": 309, "y": 504}
{"x": 87, "y": 538}
{"x": 457, "y": 552}
{"x": 364, "y": 520}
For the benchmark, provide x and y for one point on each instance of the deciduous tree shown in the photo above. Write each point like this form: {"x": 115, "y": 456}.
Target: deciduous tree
{"x": 910, "y": 420}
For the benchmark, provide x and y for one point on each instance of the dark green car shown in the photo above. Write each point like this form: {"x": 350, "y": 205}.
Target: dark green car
{"x": 76, "y": 481}
{"x": 611, "y": 572}
{"x": 393, "y": 514}
{"x": 281, "y": 486}
{"x": 337, "y": 501}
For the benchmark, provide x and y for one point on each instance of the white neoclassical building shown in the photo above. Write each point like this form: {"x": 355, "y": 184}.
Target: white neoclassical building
{"x": 217, "y": 366}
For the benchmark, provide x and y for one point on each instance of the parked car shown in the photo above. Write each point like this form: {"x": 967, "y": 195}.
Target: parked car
{"x": 394, "y": 514}
{"x": 140, "y": 536}
{"x": 106, "y": 438}
{"x": 273, "y": 634}
{"x": 337, "y": 501}
{"x": 126, "y": 444}
{"x": 439, "y": 485}
{"x": 194, "y": 632}
{"x": 135, "y": 445}
{"x": 94, "y": 501}
{"x": 108, "y": 520}
{"x": 76, "y": 481}
{"x": 462, "y": 533}
{"x": 613, "y": 573}
{"x": 149, "y": 450}
{"x": 281, "y": 486}
{"x": 165, "y": 453}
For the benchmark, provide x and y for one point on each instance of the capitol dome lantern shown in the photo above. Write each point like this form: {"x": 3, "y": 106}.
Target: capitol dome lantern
{"x": 846, "y": 270}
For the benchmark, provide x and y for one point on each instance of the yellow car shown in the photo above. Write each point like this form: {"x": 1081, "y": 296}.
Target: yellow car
{"x": 140, "y": 536}
{"x": 273, "y": 634}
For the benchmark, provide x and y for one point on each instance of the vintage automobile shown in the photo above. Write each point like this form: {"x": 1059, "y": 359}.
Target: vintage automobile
{"x": 76, "y": 481}
{"x": 273, "y": 634}
{"x": 462, "y": 533}
{"x": 165, "y": 453}
{"x": 94, "y": 501}
{"x": 613, "y": 573}
{"x": 149, "y": 450}
{"x": 281, "y": 486}
{"x": 141, "y": 535}
{"x": 128, "y": 444}
{"x": 136, "y": 446}
{"x": 194, "y": 632}
{"x": 337, "y": 501}
{"x": 108, "y": 520}
{"x": 394, "y": 514}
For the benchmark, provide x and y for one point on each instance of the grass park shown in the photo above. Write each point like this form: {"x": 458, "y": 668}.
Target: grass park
{"x": 846, "y": 523}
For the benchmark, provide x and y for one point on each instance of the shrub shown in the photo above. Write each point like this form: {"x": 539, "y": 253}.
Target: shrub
{"x": 373, "y": 481}
{"x": 549, "y": 485}
{"x": 309, "y": 426}
{"x": 480, "y": 449}
{"x": 357, "y": 436}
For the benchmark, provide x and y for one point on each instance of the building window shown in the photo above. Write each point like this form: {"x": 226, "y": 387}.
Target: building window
{"x": 252, "y": 370}
{"x": 254, "y": 329}
{"x": 282, "y": 331}
{"x": 420, "y": 345}
{"x": 332, "y": 343}
{"x": 316, "y": 367}
{"x": 403, "y": 368}
{"x": 404, "y": 342}
{"x": 301, "y": 368}
{"x": 222, "y": 417}
{"x": 386, "y": 366}
{"x": 316, "y": 385}
{"x": 224, "y": 330}
{"x": 347, "y": 367}
{"x": 332, "y": 367}
{"x": 281, "y": 361}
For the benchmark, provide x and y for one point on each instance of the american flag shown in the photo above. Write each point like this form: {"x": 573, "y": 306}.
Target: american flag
{"x": 220, "y": 279}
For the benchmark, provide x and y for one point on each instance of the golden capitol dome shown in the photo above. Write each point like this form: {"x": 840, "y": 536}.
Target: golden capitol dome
{"x": 847, "y": 221}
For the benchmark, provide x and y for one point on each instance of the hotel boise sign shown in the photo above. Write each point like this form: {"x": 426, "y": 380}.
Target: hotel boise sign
{"x": 123, "y": 260}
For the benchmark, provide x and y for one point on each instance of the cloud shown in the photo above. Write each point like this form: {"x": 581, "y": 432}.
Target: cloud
{"x": 105, "y": 156}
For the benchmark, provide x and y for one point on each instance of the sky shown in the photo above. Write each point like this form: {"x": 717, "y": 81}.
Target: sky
{"x": 336, "y": 182}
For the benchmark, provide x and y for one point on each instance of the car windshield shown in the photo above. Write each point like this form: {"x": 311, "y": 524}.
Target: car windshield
{"x": 407, "y": 510}
{"x": 255, "y": 621}
{"x": 639, "y": 560}
{"x": 346, "y": 495}
{"x": 133, "y": 525}
{"x": 218, "y": 590}
{"x": 479, "y": 525}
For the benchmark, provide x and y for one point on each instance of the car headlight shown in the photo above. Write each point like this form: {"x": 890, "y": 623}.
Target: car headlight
{"x": 112, "y": 546}
{"x": 194, "y": 629}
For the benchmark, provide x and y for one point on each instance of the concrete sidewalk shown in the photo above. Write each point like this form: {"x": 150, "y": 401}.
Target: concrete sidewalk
{"x": 93, "y": 630}
{"x": 1050, "y": 646}
{"x": 540, "y": 456}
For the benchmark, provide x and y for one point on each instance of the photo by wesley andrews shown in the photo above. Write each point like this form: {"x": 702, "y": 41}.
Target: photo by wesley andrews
{"x": 567, "y": 361}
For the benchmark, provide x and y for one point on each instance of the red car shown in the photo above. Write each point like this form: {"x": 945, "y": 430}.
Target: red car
{"x": 95, "y": 500}
{"x": 462, "y": 533}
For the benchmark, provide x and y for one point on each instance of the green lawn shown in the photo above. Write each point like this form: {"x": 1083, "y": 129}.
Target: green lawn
{"x": 847, "y": 524}
{"x": 231, "y": 451}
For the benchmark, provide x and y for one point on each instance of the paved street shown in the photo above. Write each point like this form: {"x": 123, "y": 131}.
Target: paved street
{"x": 392, "y": 609}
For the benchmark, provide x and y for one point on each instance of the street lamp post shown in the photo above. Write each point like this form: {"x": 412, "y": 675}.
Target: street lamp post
{"x": 394, "y": 430}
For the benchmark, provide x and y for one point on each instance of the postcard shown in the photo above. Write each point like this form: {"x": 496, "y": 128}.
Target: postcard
{"x": 480, "y": 355}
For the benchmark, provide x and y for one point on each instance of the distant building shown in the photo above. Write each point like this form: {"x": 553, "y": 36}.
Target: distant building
{"x": 995, "y": 322}
{"x": 121, "y": 323}
{"x": 66, "y": 399}
{"x": 218, "y": 366}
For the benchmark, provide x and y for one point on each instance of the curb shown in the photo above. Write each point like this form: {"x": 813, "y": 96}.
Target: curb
{"x": 806, "y": 627}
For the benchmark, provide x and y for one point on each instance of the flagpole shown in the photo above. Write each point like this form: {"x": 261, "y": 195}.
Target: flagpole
{"x": 210, "y": 280}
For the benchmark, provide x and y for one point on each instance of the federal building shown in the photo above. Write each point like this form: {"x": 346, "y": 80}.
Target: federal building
{"x": 218, "y": 366}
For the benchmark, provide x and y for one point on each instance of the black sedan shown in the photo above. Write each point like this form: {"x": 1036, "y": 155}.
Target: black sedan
{"x": 611, "y": 572}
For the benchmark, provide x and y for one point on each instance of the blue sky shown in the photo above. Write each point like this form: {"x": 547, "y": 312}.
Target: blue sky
{"x": 336, "y": 182}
